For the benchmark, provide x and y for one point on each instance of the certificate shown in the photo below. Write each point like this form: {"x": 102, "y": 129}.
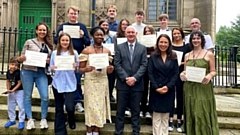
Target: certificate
{"x": 37, "y": 59}
{"x": 99, "y": 61}
{"x": 169, "y": 33}
{"x": 195, "y": 74}
{"x": 64, "y": 62}
{"x": 179, "y": 56}
{"x": 121, "y": 40}
{"x": 148, "y": 40}
{"x": 110, "y": 47}
{"x": 112, "y": 33}
{"x": 73, "y": 31}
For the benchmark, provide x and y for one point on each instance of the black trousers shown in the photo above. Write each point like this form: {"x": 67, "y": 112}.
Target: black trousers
{"x": 111, "y": 82}
{"x": 179, "y": 97}
{"x": 143, "y": 107}
{"x": 66, "y": 98}
{"x": 133, "y": 98}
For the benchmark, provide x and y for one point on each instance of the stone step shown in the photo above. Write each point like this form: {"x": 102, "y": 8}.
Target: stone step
{"x": 224, "y": 122}
{"x": 37, "y": 102}
{"x": 108, "y": 129}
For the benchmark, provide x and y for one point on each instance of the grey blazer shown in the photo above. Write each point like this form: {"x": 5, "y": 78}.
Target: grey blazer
{"x": 124, "y": 68}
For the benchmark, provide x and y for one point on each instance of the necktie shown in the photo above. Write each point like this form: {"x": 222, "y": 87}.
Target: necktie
{"x": 131, "y": 51}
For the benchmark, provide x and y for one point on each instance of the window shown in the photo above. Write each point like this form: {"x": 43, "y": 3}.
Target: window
{"x": 157, "y": 7}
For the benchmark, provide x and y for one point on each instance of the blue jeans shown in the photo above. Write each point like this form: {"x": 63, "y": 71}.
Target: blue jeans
{"x": 28, "y": 78}
{"x": 78, "y": 92}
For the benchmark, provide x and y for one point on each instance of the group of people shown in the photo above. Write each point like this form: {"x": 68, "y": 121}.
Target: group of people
{"x": 132, "y": 65}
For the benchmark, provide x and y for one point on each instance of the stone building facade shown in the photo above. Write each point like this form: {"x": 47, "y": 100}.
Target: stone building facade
{"x": 205, "y": 10}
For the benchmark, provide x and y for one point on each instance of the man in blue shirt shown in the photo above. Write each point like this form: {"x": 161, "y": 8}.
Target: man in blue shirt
{"x": 78, "y": 44}
{"x": 112, "y": 22}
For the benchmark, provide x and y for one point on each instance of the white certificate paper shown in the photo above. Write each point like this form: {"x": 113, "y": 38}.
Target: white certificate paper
{"x": 179, "y": 56}
{"x": 148, "y": 40}
{"x": 169, "y": 33}
{"x": 73, "y": 31}
{"x": 99, "y": 61}
{"x": 195, "y": 74}
{"x": 139, "y": 34}
{"x": 112, "y": 33}
{"x": 64, "y": 62}
{"x": 121, "y": 40}
{"x": 37, "y": 59}
{"x": 110, "y": 47}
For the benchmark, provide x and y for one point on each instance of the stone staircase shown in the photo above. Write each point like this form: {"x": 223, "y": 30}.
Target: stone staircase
{"x": 229, "y": 122}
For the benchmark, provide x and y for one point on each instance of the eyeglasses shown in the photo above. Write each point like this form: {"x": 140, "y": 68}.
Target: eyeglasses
{"x": 194, "y": 23}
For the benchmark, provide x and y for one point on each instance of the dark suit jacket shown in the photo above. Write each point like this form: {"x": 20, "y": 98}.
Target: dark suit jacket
{"x": 124, "y": 68}
{"x": 162, "y": 74}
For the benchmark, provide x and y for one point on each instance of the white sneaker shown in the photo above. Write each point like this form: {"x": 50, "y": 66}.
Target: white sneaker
{"x": 148, "y": 115}
{"x": 30, "y": 124}
{"x": 43, "y": 124}
{"x": 170, "y": 127}
{"x": 127, "y": 113}
{"x": 79, "y": 107}
{"x": 141, "y": 114}
{"x": 179, "y": 130}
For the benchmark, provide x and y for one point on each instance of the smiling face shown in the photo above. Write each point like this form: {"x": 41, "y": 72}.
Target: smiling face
{"x": 147, "y": 31}
{"x": 124, "y": 25}
{"x": 196, "y": 40}
{"x": 98, "y": 37}
{"x": 13, "y": 67}
{"x": 130, "y": 34}
{"x": 72, "y": 15}
{"x": 177, "y": 35}
{"x": 41, "y": 31}
{"x": 163, "y": 22}
{"x": 64, "y": 42}
{"x": 195, "y": 24}
{"x": 163, "y": 44}
{"x": 105, "y": 26}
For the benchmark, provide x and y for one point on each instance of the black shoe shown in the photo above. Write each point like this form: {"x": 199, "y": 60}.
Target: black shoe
{"x": 170, "y": 126}
{"x": 72, "y": 125}
{"x": 112, "y": 99}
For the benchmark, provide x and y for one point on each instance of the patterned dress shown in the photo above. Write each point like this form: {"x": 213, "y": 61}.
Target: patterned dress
{"x": 200, "y": 106}
{"x": 96, "y": 96}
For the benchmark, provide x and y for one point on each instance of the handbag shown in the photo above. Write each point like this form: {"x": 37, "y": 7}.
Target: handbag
{"x": 49, "y": 76}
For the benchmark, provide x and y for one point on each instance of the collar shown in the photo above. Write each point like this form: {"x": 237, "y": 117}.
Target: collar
{"x": 132, "y": 43}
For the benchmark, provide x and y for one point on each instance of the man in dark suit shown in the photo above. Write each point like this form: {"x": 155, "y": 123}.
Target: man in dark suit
{"x": 130, "y": 65}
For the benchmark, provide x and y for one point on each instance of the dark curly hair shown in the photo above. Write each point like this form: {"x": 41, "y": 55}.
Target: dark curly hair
{"x": 200, "y": 34}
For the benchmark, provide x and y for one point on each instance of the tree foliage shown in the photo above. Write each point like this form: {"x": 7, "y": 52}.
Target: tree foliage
{"x": 229, "y": 36}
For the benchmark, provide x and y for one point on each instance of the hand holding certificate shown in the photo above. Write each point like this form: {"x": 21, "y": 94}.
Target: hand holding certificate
{"x": 73, "y": 31}
{"x": 64, "y": 62}
{"x": 99, "y": 61}
{"x": 37, "y": 59}
{"x": 195, "y": 74}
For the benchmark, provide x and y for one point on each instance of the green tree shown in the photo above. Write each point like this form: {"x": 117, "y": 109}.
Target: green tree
{"x": 229, "y": 36}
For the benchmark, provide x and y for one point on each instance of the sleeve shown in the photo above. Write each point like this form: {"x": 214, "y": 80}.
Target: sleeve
{"x": 25, "y": 47}
{"x": 82, "y": 57}
{"x": 86, "y": 38}
{"x": 151, "y": 73}
{"x": 52, "y": 62}
{"x": 76, "y": 57}
{"x": 56, "y": 37}
{"x": 121, "y": 73}
{"x": 209, "y": 43}
{"x": 174, "y": 76}
{"x": 143, "y": 65}
{"x": 17, "y": 77}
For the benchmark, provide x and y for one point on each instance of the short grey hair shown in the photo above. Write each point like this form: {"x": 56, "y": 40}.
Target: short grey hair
{"x": 128, "y": 27}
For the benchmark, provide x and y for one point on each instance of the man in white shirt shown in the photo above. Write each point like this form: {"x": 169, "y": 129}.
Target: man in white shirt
{"x": 138, "y": 25}
{"x": 195, "y": 25}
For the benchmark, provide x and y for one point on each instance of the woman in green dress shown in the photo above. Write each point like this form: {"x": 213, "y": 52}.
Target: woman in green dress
{"x": 199, "y": 101}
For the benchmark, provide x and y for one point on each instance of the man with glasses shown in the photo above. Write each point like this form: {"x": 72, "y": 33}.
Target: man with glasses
{"x": 195, "y": 25}
{"x": 78, "y": 43}
{"x": 112, "y": 22}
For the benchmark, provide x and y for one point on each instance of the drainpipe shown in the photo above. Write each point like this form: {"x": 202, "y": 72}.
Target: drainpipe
{"x": 93, "y": 12}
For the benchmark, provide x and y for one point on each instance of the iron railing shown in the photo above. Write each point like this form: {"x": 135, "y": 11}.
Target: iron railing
{"x": 226, "y": 58}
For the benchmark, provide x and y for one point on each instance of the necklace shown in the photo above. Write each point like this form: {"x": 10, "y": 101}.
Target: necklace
{"x": 195, "y": 57}
{"x": 97, "y": 47}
